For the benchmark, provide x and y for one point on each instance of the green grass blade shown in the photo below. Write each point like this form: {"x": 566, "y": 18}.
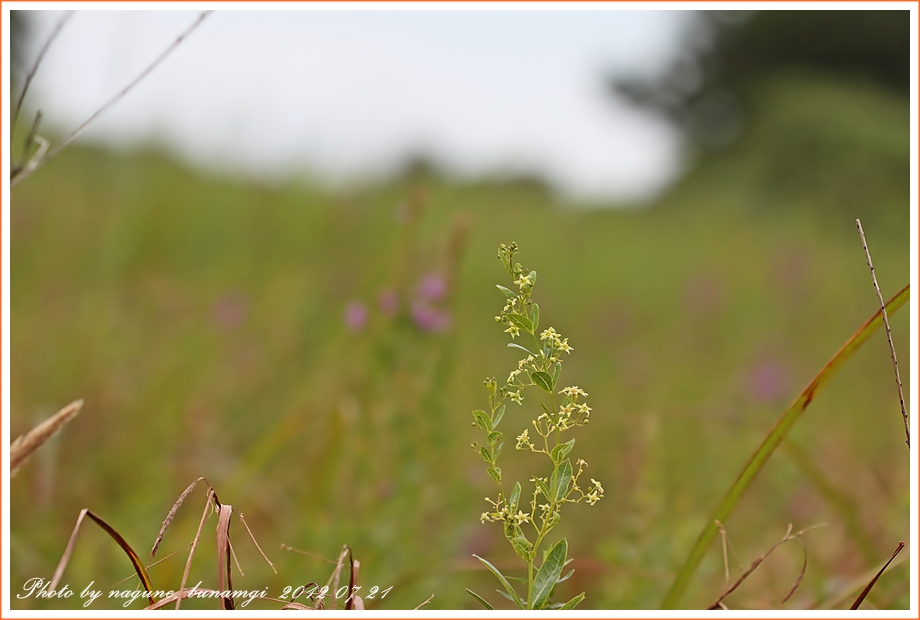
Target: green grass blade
{"x": 769, "y": 445}
{"x": 481, "y": 600}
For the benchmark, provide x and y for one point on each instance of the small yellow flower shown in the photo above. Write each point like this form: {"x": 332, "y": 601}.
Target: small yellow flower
{"x": 548, "y": 334}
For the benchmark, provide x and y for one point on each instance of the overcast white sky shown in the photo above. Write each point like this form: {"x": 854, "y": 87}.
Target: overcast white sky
{"x": 344, "y": 94}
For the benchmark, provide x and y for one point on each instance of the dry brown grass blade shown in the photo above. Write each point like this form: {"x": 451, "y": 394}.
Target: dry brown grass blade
{"x": 256, "y": 543}
{"x": 25, "y": 445}
{"x": 862, "y": 595}
{"x": 151, "y": 565}
{"x": 183, "y": 593}
{"x": 311, "y": 554}
{"x": 427, "y": 600}
{"x": 333, "y": 580}
{"x": 191, "y": 554}
{"x": 172, "y": 514}
{"x": 295, "y": 605}
{"x": 135, "y": 559}
{"x": 798, "y": 580}
{"x": 352, "y": 581}
{"x": 845, "y": 593}
{"x": 756, "y": 563}
{"x": 224, "y": 579}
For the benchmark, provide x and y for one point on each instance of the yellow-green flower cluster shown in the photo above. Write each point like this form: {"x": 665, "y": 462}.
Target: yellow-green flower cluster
{"x": 500, "y": 512}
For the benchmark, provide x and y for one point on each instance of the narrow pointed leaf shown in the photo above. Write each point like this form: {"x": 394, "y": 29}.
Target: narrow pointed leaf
{"x": 773, "y": 439}
{"x": 535, "y": 316}
{"x": 556, "y": 370}
{"x": 559, "y": 452}
{"x": 543, "y": 380}
{"x": 521, "y": 321}
{"x": 515, "y": 497}
{"x": 499, "y": 414}
{"x": 514, "y": 345}
{"x": 507, "y": 291}
{"x": 503, "y": 581}
{"x": 482, "y": 420}
{"x": 549, "y": 572}
{"x": 522, "y": 547}
{"x": 481, "y": 600}
{"x": 506, "y": 595}
{"x": 543, "y": 488}
{"x": 566, "y": 576}
{"x": 563, "y": 478}
{"x": 496, "y": 474}
{"x": 574, "y": 602}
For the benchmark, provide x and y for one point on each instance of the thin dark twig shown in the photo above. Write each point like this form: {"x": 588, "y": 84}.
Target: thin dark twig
{"x": 38, "y": 61}
{"x": 36, "y": 164}
{"x": 756, "y": 563}
{"x": 862, "y": 595}
{"x": 894, "y": 357}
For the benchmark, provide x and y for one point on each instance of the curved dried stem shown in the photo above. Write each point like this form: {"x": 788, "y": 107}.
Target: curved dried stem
{"x": 38, "y": 163}
{"x": 34, "y": 69}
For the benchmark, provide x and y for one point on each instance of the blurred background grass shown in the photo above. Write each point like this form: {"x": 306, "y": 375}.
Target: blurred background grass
{"x": 316, "y": 355}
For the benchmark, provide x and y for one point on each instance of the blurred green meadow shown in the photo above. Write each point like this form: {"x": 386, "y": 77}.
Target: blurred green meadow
{"x": 316, "y": 354}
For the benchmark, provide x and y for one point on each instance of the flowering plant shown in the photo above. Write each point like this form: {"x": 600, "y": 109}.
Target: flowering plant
{"x": 562, "y": 410}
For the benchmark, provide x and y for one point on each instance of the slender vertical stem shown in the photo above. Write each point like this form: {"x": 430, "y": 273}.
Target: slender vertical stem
{"x": 894, "y": 357}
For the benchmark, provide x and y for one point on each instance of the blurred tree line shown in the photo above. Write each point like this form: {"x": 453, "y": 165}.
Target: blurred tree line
{"x": 815, "y": 102}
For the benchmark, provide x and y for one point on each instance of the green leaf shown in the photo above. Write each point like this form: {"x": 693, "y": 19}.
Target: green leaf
{"x": 514, "y": 345}
{"x": 558, "y": 453}
{"x": 515, "y": 497}
{"x": 507, "y": 291}
{"x": 481, "y": 600}
{"x": 496, "y": 474}
{"x": 523, "y": 547}
{"x": 482, "y": 420}
{"x": 566, "y": 576}
{"x": 549, "y": 572}
{"x": 506, "y": 595}
{"x": 563, "y": 477}
{"x": 499, "y": 414}
{"x": 535, "y": 316}
{"x": 494, "y": 436}
{"x": 543, "y": 380}
{"x": 543, "y": 488}
{"x": 486, "y": 456}
{"x": 521, "y": 321}
{"x": 503, "y": 581}
{"x": 498, "y": 450}
{"x": 532, "y": 276}
{"x": 556, "y": 370}
{"x": 769, "y": 445}
{"x": 574, "y": 602}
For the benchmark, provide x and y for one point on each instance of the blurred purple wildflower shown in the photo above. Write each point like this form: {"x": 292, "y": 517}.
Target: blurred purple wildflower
{"x": 429, "y": 318}
{"x": 356, "y": 316}
{"x": 230, "y": 310}
{"x": 432, "y": 287}
{"x": 767, "y": 381}
{"x": 388, "y": 302}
